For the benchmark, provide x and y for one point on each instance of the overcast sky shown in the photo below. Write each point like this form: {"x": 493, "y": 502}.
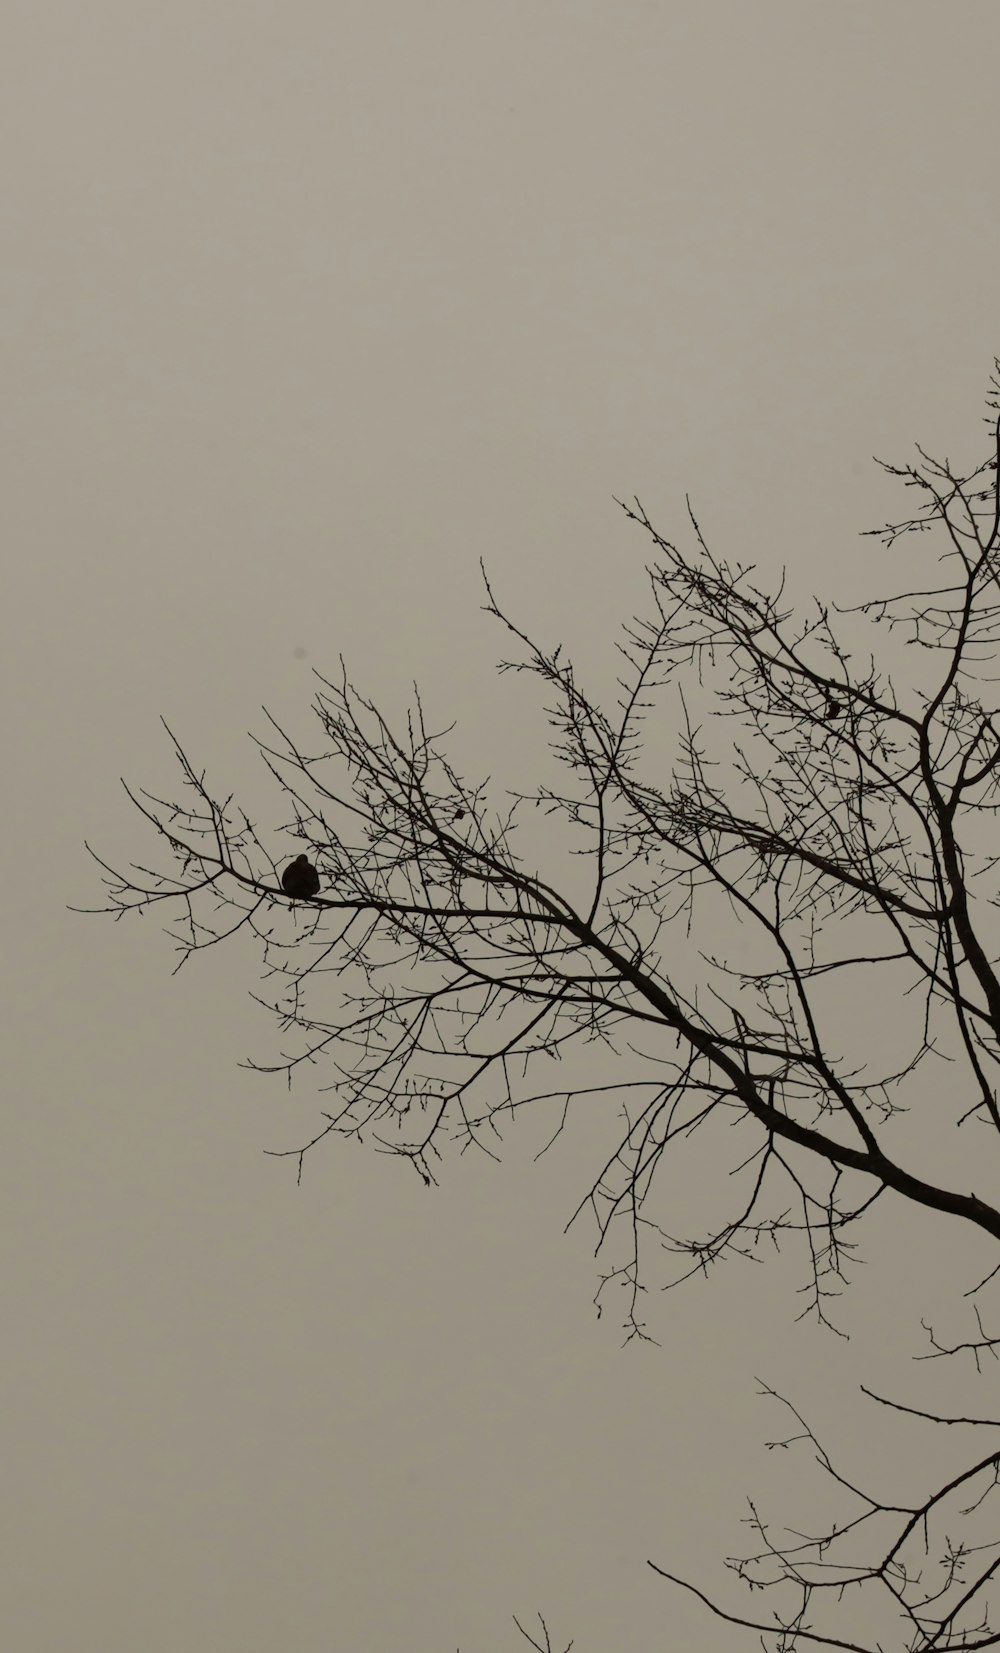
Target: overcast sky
{"x": 306, "y": 309}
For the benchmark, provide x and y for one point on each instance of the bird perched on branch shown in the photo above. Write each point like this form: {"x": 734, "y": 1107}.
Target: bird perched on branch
{"x": 300, "y": 879}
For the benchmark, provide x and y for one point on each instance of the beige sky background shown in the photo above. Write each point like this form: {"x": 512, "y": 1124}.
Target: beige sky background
{"x": 307, "y": 308}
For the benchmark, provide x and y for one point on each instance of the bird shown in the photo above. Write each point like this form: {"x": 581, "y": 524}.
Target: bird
{"x": 300, "y": 879}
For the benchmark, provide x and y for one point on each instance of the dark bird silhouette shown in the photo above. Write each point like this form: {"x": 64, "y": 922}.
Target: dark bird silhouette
{"x": 300, "y": 879}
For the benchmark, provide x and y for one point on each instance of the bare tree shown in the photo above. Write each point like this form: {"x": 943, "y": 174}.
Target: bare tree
{"x": 838, "y": 820}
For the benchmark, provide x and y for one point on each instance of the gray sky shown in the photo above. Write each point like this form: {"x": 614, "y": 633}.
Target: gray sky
{"x": 307, "y": 308}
